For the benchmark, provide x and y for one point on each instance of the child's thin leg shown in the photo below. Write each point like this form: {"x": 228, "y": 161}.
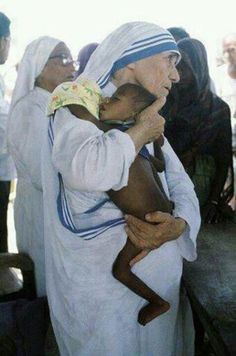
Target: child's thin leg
{"x": 122, "y": 271}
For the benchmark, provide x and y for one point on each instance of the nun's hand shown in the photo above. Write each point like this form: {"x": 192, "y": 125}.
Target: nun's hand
{"x": 149, "y": 125}
{"x": 159, "y": 228}
{"x": 151, "y": 121}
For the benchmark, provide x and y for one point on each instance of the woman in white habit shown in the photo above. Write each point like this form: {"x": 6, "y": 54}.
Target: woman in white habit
{"x": 92, "y": 313}
{"x": 41, "y": 69}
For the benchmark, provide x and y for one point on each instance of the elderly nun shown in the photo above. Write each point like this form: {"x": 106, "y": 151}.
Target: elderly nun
{"x": 92, "y": 313}
{"x": 40, "y": 71}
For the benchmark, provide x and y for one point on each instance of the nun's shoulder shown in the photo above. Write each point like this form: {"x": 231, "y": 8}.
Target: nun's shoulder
{"x": 36, "y": 100}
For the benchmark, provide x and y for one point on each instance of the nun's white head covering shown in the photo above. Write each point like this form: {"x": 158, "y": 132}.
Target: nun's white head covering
{"x": 130, "y": 43}
{"x": 31, "y": 65}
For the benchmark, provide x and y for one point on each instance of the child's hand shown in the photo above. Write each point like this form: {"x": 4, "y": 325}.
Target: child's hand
{"x": 160, "y": 140}
{"x": 139, "y": 257}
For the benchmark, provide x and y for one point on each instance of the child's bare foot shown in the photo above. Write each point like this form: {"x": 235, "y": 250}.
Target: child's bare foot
{"x": 151, "y": 311}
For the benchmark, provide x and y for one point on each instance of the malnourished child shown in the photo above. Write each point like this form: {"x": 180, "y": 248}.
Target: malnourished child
{"x": 144, "y": 192}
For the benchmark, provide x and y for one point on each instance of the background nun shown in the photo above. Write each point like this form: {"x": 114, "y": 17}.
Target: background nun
{"x": 40, "y": 71}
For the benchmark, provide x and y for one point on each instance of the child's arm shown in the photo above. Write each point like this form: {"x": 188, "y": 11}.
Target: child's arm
{"x": 158, "y": 160}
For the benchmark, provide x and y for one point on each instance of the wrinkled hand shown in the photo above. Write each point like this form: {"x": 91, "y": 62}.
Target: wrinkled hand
{"x": 151, "y": 121}
{"x": 159, "y": 228}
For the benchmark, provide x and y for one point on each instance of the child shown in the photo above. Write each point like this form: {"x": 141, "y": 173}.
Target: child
{"x": 144, "y": 192}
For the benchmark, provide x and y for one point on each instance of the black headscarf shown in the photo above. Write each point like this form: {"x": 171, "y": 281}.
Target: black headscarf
{"x": 178, "y": 33}
{"x": 195, "y": 117}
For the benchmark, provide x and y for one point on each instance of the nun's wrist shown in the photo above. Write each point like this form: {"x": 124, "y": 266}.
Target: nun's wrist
{"x": 139, "y": 137}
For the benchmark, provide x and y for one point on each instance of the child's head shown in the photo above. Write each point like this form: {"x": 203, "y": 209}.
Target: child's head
{"x": 83, "y": 93}
{"x": 127, "y": 101}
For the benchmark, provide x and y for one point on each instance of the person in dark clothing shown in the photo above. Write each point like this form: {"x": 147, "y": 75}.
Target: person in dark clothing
{"x": 178, "y": 33}
{"x": 84, "y": 55}
{"x": 198, "y": 128}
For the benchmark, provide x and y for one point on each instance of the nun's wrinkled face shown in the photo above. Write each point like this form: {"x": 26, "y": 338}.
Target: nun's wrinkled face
{"x": 58, "y": 69}
{"x": 156, "y": 73}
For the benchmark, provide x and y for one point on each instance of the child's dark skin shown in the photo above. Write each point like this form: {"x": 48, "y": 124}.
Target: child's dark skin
{"x": 144, "y": 194}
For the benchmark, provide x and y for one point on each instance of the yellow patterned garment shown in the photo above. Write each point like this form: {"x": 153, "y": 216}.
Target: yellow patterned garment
{"x": 81, "y": 92}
